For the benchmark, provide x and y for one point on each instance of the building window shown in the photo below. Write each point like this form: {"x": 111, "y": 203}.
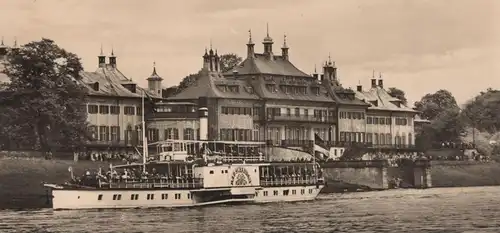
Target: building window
{"x": 306, "y": 112}
{"x": 286, "y": 192}
{"x": 99, "y": 198}
{"x": 93, "y": 132}
{"x": 152, "y": 135}
{"x": 164, "y": 196}
{"x": 134, "y": 197}
{"x": 115, "y": 133}
{"x": 410, "y": 139}
{"x": 294, "y": 192}
{"x": 172, "y": 133}
{"x": 177, "y": 196}
{"x": 188, "y": 134}
{"x": 388, "y": 139}
{"x": 189, "y": 195}
{"x": 129, "y": 110}
{"x": 139, "y": 111}
{"x": 104, "y": 133}
{"x": 275, "y": 193}
{"x": 115, "y": 110}
{"x": 104, "y": 109}
{"x": 150, "y": 197}
{"x": 265, "y": 193}
{"x": 302, "y": 191}
{"x": 297, "y": 112}
{"x": 288, "y": 112}
{"x": 92, "y": 109}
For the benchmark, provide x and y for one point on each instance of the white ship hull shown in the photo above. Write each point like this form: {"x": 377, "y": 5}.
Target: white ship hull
{"x": 166, "y": 198}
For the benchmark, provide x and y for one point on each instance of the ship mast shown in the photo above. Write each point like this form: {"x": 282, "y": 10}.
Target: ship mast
{"x": 144, "y": 139}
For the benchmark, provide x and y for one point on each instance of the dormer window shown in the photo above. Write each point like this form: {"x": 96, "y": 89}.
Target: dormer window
{"x": 132, "y": 87}
{"x": 95, "y": 86}
{"x": 315, "y": 90}
{"x": 249, "y": 89}
{"x": 271, "y": 88}
{"x": 374, "y": 103}
{"x": 397, "y": 103}
{"x": 233, "y": 89}
{"x": 222, "y": 88}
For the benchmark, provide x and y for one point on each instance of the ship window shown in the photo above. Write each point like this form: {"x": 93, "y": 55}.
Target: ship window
{"x": 265, "y": 193}
{"x": 294, "y": 192}
{"x": 302, "y": 192}
{"x": 164, "y": 196}
{"x": 285, "y": 192}
{"x": 275, "y": 193}
{"x": 99, "y": 197}
{"x": 211, "y": 172}
{"x": 150, "y": 196}
{"x": 189, "y": 195}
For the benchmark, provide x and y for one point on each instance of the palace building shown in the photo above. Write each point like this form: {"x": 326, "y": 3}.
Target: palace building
{"x": 267, "y": 98}
{"x": 114, "y": 106}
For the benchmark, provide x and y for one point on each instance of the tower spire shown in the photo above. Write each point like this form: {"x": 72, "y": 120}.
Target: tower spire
{"x": 2, "y": 44}
{"x": 15, "y": 41}
{"x": 284, "y": 41}
{"x": 154, "y": 69}
{"x": 373, "y": 73}
{"x": 267, "y": 26}
{"x": 250, "y": 36}
{"x": 102, "y": 53}
{"x": 315, "y": 69}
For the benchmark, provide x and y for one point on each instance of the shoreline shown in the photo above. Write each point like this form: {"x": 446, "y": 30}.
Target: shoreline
{"x": 22, "y": 178}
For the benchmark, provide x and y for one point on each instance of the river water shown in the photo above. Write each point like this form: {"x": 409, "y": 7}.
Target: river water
{"x": 433, "y": 210}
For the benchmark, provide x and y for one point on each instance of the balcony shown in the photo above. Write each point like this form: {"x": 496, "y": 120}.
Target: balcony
{"x": 173, "y": 115}
{"x": 121, "y": 143}
{"x": 302, "y": 118}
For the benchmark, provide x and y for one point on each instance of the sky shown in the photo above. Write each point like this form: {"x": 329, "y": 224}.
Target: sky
{"x": 419, "y": 46}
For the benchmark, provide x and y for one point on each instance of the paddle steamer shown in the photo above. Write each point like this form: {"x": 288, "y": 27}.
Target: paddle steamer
{"x": 185, "y": 173}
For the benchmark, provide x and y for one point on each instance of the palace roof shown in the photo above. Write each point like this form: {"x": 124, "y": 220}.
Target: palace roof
{"x": 380, "y": 99}
{"x": 112, "y": 83}
{"x": 261, "y": 64}
{"x": 215, "y": 85}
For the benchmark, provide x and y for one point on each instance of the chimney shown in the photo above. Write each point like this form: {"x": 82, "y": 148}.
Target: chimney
{"x": 203, "y": 115}
{"x": 374, "y": 83}
{"x": 381, "y": 83}
{"x": 359, "y": 88}
{"x": 322, "y": 77}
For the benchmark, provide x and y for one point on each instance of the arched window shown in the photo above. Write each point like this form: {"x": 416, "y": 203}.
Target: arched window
{"x": 376, "y": 139}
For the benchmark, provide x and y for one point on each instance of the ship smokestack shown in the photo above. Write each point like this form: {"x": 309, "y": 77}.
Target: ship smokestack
{"x": 203, "y": 115}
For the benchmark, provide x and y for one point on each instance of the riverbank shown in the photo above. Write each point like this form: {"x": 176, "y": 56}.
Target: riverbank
{"x": 464, "y": 173}
{"x": 21, "y": 179}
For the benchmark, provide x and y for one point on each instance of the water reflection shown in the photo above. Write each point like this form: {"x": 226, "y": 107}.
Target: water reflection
{"x": 433, "y": 210}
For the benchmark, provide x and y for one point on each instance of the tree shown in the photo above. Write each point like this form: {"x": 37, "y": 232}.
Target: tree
{"x": 229, "y": 61}
{"x": 432, "y": 105}
{"x": 399, "y": 94}
{"x": 44, "y": 98}
{"x": 483, "y": 112}
{"x": 442, "y": 110}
